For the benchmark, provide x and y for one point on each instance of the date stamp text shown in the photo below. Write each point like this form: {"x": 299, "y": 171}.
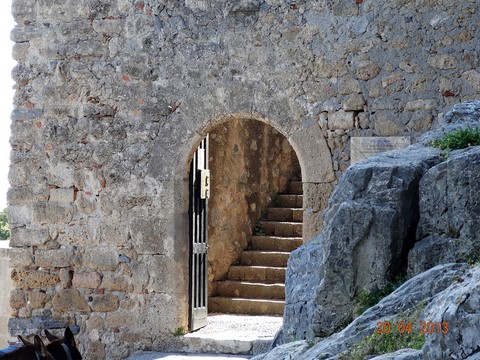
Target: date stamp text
{"x": 407, "y": 327}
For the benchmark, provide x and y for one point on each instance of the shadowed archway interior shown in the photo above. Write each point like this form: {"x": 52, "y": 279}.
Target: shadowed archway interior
{"x": 250, "y": 163}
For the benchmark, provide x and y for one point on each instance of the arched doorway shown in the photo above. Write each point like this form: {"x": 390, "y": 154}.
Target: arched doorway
{"x": 308, "y": 142}
{"x": 251, "y": 220}
{"x": 255, "y": 220}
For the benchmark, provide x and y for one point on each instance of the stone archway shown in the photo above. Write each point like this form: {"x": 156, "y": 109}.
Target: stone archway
{"x": 251, "y": 163}
{"x": 313, "y": 156}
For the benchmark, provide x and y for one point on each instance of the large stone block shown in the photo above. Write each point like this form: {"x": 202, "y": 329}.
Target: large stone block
{"x": 62, "y": 195}
{"x": 388, "y": 124}
{"x": 24, "y": 10}
{"x": 26, "y": 195}
{"x": 17, "y": 299}
{"x": 364, "y": 69}
{"x": 44, "y": 213}
{"x": 153, "y": 235}
{"x": 89, "y": 279}
{"x": 19, "y": 215}
{"x": 100, "y": 259}
{"x": 104, "y": 303}
{"x": 472, "y": 78}
{"x": 38, "y": 299}
{"x": 315, "y": 200}
{"x": 311, "y": 148}
{"x": 442, "y": 61}
{"x": 70, "y": 300}
{"x": 341, "y": 119}
{"x": 117, "y": 282}
{"x": 170, "y": 281}
{"x": 58, "y": 258}
{"x": 31, "y": 279}
{"x": 34, "y": 325}
{"x": 20, "y": 257}
{"x": 23, "y": 237}
{"x": 462, "y": 316}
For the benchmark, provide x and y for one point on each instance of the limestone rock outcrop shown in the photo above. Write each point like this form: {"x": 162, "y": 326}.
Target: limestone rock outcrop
{"x": 370, "y": 225}
{"x": 410, "y": 209}
{"x": 449, "y": 227}
{"x": 450, "y": 292}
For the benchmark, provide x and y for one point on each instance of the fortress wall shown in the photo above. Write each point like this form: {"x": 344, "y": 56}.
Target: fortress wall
{"x": 113, "y": 97}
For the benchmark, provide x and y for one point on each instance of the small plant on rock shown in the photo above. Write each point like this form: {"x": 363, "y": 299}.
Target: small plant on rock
{"x": 458, "y": 139}
{"x": 366, "y": 300}
{"x": 401, "y": 334}
{"x": 275, "y": 200}
{"x": 258, "y": 228}
{"x": 179, "y": 332}
{"x": 376, "y": 344}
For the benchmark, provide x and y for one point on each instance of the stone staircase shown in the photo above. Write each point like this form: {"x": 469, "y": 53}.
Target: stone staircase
{"x": 256, "y": 285}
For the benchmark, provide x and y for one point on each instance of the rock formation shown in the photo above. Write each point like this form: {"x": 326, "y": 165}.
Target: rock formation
{"x": 452, "y": 286}
{"x": 410, "y": 209}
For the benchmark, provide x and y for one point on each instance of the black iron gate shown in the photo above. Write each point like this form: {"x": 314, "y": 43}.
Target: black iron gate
{"x": 198, "y": 211}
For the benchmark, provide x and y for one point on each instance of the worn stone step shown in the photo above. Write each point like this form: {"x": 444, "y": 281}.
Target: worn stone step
{"x": 275, "y": 243}
{"x": 245, "y": 306}
{"x": 295, "y": 187}
{"x": 282, "y": 228}
{"x": 288, "y": 201}
{"x": 264, "y": 258}
{"x": 284, "y": 214}
{"x": 266, "y": 274}
{"x": 250, "y": 290}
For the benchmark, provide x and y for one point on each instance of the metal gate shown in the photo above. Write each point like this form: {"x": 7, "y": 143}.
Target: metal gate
{"x": 198, "y": 226}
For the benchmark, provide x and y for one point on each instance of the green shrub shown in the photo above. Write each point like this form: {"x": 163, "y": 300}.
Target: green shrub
{"x": 458, "y": 139}
{"x": 179, "y": 332}
{"x": 4, "y": 231}
{"x": 407, "y": 335}
{"x": 378, "y": 344}
{"x": 366, "y": 300}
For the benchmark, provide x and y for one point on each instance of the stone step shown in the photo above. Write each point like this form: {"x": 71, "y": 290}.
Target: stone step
{"x": 294, "y": 187}
{"x": 275, "y": 243}
{"x": 284, "y": 214}
{"x": 282, "y": 228}
{"x": 288, "y": 201}
{"x": 250, "y": 290}
{"x": 224, "y": 334}
{"x": 265, "y": 274}
{"x": 228, "y": 305}
{"x": 264, "y": 258}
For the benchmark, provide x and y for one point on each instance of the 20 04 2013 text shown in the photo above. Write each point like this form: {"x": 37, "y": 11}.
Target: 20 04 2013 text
{"x": 423, "y": 327}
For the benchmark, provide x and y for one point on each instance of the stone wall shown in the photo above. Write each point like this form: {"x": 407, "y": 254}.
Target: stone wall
{"x": 250, "y": 163}
{"x": 6, "y": 285}
{"x": 112, "y": 99}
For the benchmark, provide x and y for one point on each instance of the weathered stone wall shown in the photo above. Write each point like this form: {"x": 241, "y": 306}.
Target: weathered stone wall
{"x": 250, "y": 163}
{"x": 113, "y": 97}
{"x": 6, "y": 285}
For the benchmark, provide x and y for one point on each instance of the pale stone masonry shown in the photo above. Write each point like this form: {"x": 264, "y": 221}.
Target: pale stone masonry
{"x": 113, "y": 97}
{"x": 6, "y": 287}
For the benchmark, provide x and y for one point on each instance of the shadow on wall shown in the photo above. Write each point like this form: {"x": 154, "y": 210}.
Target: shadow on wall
{"x": 250, "y": 163}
